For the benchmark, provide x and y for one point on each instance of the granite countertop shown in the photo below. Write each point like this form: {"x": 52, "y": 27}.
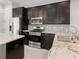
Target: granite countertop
{"x": 6, "y": 38}
{"x": 57, "y": 33}
{"x": 64, "y": 50}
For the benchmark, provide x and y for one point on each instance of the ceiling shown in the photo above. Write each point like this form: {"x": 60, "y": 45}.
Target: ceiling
{"x": 5, "y": 2}
{"x": 31, "y": 3}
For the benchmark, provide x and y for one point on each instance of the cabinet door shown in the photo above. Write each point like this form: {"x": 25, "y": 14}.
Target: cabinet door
{"x": 15, "y": 49}
{"x": 29, "y": 14}
{"x": 57, "y": 13}
{"x": 47, "y": 40}
{"x": 26, "y": 40}
{"x": 63, "y": 12}
{"x": 49, "y": 13}
{"x": 24, "y": 20}
{"x": 17, "y": 12}
{"x": 37, "y": 11}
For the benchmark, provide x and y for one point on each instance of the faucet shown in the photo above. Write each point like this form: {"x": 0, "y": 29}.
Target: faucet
{"x": 75, "y": 29}
{"x": 74, "y": 33}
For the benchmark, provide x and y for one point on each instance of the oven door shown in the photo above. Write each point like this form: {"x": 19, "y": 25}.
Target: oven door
{"x": 35, "y": 41}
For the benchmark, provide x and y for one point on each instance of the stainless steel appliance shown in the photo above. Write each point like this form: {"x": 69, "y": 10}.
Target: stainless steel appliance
{"x": 35, "y": 37}
{"x": 36, "y": 20}
{"x": 34, "y": 40}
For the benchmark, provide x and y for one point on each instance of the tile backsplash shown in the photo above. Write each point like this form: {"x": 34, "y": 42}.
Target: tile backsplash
{"x": 53, "y": 28}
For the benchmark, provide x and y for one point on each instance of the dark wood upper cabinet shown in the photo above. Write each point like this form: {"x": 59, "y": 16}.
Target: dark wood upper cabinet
{"x": 21, "y": 12}
{"x": 37, "y": 12}
{"x": 55, "y": 13}
{"x": 63, "y": 12}
{"x": 17, "y": 12}
{"x": 49, "y": 14}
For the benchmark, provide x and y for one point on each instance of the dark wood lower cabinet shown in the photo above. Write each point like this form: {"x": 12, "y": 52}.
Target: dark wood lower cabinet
{"x": 15, "y": 49}
{"x": 47, "y": 40}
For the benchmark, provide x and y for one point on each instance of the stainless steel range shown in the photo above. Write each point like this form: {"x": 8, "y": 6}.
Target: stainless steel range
{"x": 35, "y": 37}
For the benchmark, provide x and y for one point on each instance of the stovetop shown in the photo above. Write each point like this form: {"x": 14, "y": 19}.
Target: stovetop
{"x": 36, "y": 30}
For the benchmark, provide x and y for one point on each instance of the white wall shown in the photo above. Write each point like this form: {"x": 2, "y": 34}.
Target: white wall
{"x": 74, "y": 13}
{"x": 1, "y": 19}
{"x": 5, "y": 17}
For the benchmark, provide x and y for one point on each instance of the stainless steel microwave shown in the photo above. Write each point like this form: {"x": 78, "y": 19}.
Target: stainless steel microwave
{"x": 36, "y": 20}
